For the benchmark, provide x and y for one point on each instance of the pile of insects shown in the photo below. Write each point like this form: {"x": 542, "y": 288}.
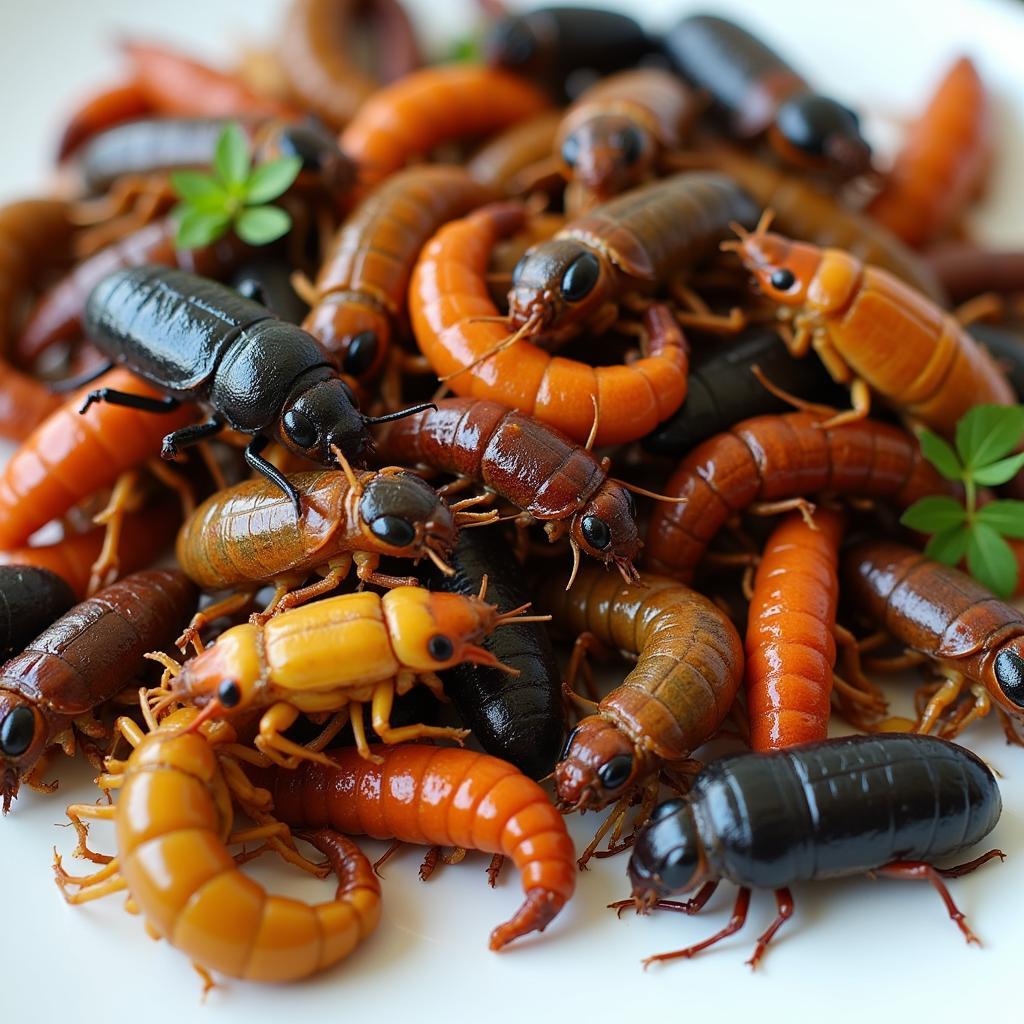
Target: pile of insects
{"x": 363, "y": 403}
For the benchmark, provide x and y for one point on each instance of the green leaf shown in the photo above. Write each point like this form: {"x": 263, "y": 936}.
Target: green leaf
{"x": 259, "y": 225}
{"x": 934, "y": 515}
{"x": 996, "y": 473}
{"x": 467, "y": 49}
{"x": 195, "y": 187}
{"x": 988, "y": 432}
{"x": 949, "y": 546}
{"x": 991, "y": 562}
{"x": 231, "y": 159}
{"x": 269, "y": 180}
{"x": 940, "y": 454}
{"x": 200, "y": 227}
{"x": 1005, "y": 517}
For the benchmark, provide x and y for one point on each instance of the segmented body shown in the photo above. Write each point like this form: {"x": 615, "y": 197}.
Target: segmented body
{"x": 30, "y": 600}
{"x": 504, "y": 162}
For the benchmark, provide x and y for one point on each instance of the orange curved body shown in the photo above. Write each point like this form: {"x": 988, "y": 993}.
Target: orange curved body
{"x": 504, "y": 162}
{"x": 415, "y": 115}
{"x": 441, "y": 796}
{"x": 943, "y": 162}
{"x": 790, "y": 641}
{"x": 770, "y": 458}
{"x": 24, "y": 402}
{"x": 69, "y": 457}
{"x": 102, "y": 110}
{"x": 449, "y": 292}
{"x": 179, "y": 86}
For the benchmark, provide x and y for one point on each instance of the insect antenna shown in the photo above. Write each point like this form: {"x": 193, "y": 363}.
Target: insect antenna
{"x": 527, "y": 328}
{"x": 646, "y": 493}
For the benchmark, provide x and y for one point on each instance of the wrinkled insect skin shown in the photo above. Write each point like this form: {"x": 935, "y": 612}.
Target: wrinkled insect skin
{"x": 520, "y": 719}
{"x": 248, "y": 533}
{"x": 30, "y": 600}
{"x": 440, "y": 796}
{"x": 873, "y": 331}
{"x": 688, "y": 670}
{"x": 943, "y": 613}
{"x": 844, "y": 806}
{"x": 83, "y": 660}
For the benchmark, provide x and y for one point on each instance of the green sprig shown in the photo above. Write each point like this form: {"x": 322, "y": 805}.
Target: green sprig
{"x": 235, "y": 195}
{"x": 985, "y": 438}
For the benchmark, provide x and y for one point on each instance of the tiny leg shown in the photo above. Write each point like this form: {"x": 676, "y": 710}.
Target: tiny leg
{"x": 141, "y": 402}
{"x": 784, "y": 903}
{"x": 736, "y": 922}
{"x": 921, "y": 871}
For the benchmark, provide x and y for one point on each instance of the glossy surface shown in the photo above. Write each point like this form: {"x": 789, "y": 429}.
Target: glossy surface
{"x": 30, "y": 600}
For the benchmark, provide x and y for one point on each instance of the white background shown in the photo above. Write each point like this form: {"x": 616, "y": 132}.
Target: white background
{"x": 855, "y": 949}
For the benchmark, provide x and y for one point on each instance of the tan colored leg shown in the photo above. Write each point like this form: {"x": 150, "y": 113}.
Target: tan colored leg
{"x": 355, "y": 710}
{"x": 366, "y": 570}
{"x": 943, "y": 698}
{"x": 230, "y": 605}
{"x": 383, "y": 698}
{"x": 294, "y": 598}
{"x": 281, "y": 750}
{"x": 123, "y": 499}
{"x": 776, "y": 508}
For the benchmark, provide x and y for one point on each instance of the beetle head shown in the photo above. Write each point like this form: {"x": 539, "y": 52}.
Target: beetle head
{"x": 23, "y": 738}
{"x": 782, "y": 268}
{"x": 605, "y": 528}
{"x": 403, "y": 515}
{"x": 667, "y": 858}
{"x": 323, "y": 416}
{"x": 323, "y": 162}
{"x": 816, "y": 131}
{"x": 598, "y": 765}
{"x": 608, "y": 154}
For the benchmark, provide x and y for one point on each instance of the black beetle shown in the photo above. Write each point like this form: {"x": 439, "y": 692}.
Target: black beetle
{"x": 201, "y": 341}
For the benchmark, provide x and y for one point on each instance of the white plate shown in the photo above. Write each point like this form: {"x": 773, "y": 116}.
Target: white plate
{"x": 855, "y": 949}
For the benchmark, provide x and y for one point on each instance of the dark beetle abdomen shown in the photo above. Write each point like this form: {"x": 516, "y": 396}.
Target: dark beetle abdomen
{"x": 841, "y": 807}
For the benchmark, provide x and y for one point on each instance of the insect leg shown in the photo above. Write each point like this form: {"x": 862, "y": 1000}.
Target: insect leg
{"x": 736, "y": 922}
{"x": 919, "y": 870}
{"x": 256, "y": 462}
{"x": 188, "y": 436}
{"x": 784, "y": 902}
{"x": 141, "y": 402}
{"x": 61, "y": 387}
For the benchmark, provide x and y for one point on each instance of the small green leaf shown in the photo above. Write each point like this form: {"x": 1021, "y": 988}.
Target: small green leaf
{"x": 271, "y": 179}
{"x": 200, "y": 227}
{"x": 949, "y": 546}
{"x": 990, "y": 561}
{"x": 467, "y": 49}
{"x": 934, "y": 515}
{"x": 988, "y": 432}
{"x": 940, "y": 454}
{"x": 259, "y": 225}
{"x": 231, "y": 159}
{"x": 195, "y": 187}
{"x": 1005, "y": 517}
{"x": 996, "y": 473}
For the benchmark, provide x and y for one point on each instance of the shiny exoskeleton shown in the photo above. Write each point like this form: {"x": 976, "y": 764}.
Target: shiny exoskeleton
{"x": 30, "y": 599}
{"x": 268, "y": 282}
{"x": 199, "y": 341}
{"x": 886, "y": 805}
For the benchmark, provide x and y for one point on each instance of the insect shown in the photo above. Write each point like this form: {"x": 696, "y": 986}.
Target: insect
{"x": 412, "y": 117}
{"x": 688, "y": 670}
{"x": 49, "y": 692}
{"x": 195, "y": 339}
{"x": 531, "y": 465}
{"x": 324, "y": 63}
{"x": 507, "y": 162}
{"x": 631, "y": 244}
{"x": 943, "y": 161}
{"x": 873, "y": 332}
{"x": 445, "y": 797}
{"x": 58, "y": 314}
{"x": 116, "y": 104}
{"x": 723, "y": 388}
{"x": 246, "y": 535}
{"x": 792, "y": 636}
{"x": 174, "y": 822}
{"x": 291, "y": 665}
{"x": 883, "y": 806}
{"x": 268, "y": 282}
{"x": 760, "y": 93}
{"x": 942, "y": 614}
{"x": 454, "y": 326}
{"x": 563, "y": 47}
{"x": 768, "y": 464}
{"x": 519, "y": 718}
{"x": 360, "y": 292}
{"x": 614, "y": 137}
{"x": 30, "y": 600}
{"x": 1007, "y": 348}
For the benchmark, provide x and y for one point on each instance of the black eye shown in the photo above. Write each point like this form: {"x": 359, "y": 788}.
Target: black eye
{"x": 1009, "y": 670}
{"x": 362, "y": 351}
{"x": 229, "y": 693}
{"x": 667, "y": 808}
{"x": 440, "y": 648}
{"x": 393, "y": 530}
{"x": 782, "y": 279}
{"x": 630, "y": 144}
{"x": 300, "y": 431}
{"x": 615, "y": 773}
{"x": 595, "y": 532}
{"x": 16, "y": 732}
{"x": 571, "y": 150}
{"x": 580, "y": 277}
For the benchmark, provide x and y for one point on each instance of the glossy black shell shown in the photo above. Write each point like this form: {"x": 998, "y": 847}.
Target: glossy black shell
{"x": 521, "y": 718}
{"x": 268, "y": 282}
{"x": 196, "y": 339}
{"x": 722, "y": 389}
{"x": 840, "y": 807}
{"x": 30, "y": 600}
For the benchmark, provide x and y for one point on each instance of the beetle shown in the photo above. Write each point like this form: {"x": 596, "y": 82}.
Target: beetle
{"x": 198, "y": 340}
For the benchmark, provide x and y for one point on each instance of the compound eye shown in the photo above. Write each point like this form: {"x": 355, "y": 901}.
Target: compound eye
{"x": 782, "y": 279}
{"x": 299, "y": 429}
{"x": 440, "y": 648}
{"x": 571, "y": 150}
{"x": 596, "y": 532}
{"x": 631, "y": 145}
{"x": 229, "y": 693}
{"x": 667, "y": 808}
{"x": 580, "y": 277}
{"x": 361, "y": 353}
{"x": 1009, "y": 669}
{"x": 16, "y": 732}
{"x": 393, "y": 530}
{"x": 615, "y": 773}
